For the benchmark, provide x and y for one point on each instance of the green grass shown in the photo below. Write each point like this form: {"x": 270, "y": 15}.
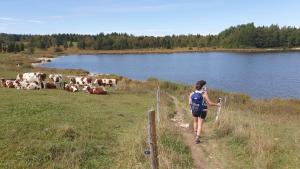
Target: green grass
{"x": 56, "y": 129}
{"x": 172, "y": 142}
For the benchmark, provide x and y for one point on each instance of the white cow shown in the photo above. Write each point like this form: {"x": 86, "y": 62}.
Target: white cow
{"x": 19, "y": 84}
{"x": 33, "y": 77}
{"x": 33, "y": 86}
{"x": 71, "y": 87}
{"x": 57, "y": 79}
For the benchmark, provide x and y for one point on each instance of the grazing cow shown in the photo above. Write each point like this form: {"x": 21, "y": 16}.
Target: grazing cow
{"x": 97, "y": 90}
{"x": 8, "y": 83}
{"x": 50, "y": 85}
{"x": 71, "y": 87}
{"x": 57, "y": 79}
{"x": 33, "y": 77}
{"x": 81, "y": 80}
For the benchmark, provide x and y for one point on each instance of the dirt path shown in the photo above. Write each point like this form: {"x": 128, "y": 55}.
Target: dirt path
{"x": 201, "y": 158}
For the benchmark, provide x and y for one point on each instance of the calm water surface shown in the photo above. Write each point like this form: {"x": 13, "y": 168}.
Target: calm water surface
{"x": 261, "y": 75}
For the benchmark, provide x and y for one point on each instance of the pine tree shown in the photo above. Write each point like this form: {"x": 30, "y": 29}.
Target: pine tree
{"x": 17, "y": 48}
{"x": 22, "y": 47}
{"x": 71, "y": 44}
{"x": 11, "y": 48}
{"x": 66, "y": 44}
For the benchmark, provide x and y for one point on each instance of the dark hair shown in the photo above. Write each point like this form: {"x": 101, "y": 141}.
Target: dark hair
{"x": 200, "y": 84}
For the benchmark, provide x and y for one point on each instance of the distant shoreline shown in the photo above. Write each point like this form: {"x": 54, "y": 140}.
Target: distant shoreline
{"x": 174, "y": 50}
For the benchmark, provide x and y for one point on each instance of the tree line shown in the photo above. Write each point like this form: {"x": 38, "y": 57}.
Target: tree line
{"x": 241, "y": 36}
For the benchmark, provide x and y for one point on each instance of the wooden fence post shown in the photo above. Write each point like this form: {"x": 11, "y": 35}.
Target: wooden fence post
{"x": 158, "y": 103}
{"x": 218, "y": 110}
{"x": 152, "y": 139}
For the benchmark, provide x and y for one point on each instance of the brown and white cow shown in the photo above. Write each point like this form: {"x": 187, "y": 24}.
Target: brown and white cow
{"x": 81, "y": 80}
{"x": 18, "y": 84}
{"x": 22, "y": 84}
{"x": 50, "y": 85}
{"x": 99, "y": 82}
{"x": 71, "y": 87}
{"x": 57, "y": 79}
{"x": 33, "y": 77}
{"x": 95, "y": 90}
{"x": 8, "y": 83}
{"x": 33, "y": 86}
{"x": 106, "y": 82}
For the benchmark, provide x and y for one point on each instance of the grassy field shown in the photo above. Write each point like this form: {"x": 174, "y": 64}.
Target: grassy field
{"x": 57, "y": 129}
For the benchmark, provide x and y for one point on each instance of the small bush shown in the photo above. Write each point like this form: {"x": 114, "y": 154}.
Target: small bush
{"x": 58, "y": 50}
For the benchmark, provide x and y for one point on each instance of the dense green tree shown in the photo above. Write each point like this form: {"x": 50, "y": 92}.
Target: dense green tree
{"x": 22, "y": 47}
{"x": 240, "y": 36}
{"x": 71, "y": 44}
{"x": 11, "y": 47}
{"x": 66, "y": 44}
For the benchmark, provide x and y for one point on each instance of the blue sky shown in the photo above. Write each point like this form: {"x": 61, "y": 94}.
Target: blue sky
{"x": 143, "y": 17}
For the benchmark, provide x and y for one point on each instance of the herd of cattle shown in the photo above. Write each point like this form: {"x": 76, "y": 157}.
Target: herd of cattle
{"x": 38, "y": 80}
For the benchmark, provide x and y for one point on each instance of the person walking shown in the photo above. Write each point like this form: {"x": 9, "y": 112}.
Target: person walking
{"x": 198, "y": 101}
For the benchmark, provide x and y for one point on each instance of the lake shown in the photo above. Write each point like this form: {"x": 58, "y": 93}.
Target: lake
{"x": 261, "y": 75}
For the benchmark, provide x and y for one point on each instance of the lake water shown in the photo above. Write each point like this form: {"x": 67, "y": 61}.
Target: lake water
{"x": 261, "y": 75}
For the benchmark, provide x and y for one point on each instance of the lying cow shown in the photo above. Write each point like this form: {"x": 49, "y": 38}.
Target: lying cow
{"x": 8, "y": 83}
{"x": 95, "y": 90}
{"x": 71, "y": 87}
{"x": 57, "y": 79}
{"x": 33, "y": 86}
{"x": 81, "y": 80}
{"x": 33, "y": 77}
{"x": 50, "y": 85}
{"x": 106, "y": 82}
{"x": 19, "y": 84}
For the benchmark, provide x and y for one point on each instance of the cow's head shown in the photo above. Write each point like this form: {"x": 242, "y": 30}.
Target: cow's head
{"x": 89, "y": 80}
{"x": 3, "y": 81}
{"x": 73, "y": 80}
{"x": 42, "y": 76}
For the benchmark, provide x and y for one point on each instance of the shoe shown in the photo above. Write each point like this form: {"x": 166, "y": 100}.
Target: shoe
{"x": 197, "y": 140}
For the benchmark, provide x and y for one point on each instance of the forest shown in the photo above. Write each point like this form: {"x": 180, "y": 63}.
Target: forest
{"x": 240, "y": 36}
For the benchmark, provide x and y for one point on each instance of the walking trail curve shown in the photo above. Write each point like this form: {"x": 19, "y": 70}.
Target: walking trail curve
{"x": 201, "y": 153}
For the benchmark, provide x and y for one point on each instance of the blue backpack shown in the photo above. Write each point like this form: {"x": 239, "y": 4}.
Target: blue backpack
{"x": 198, "y": 104}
